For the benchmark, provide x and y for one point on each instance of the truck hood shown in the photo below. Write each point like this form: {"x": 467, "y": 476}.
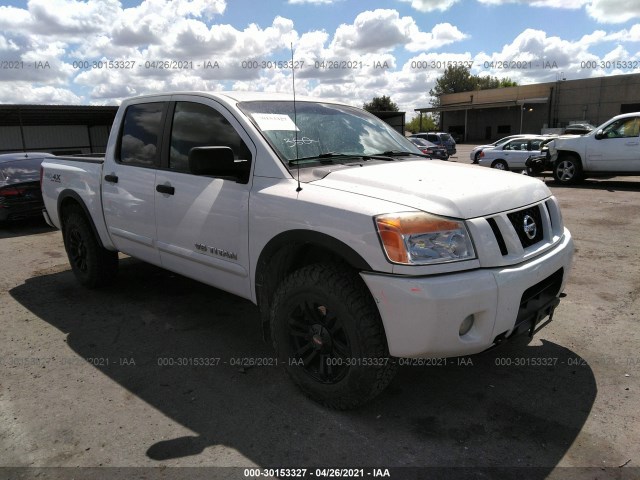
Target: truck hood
{"x": 442, "y": 188}
{"x": 563, "y": 140}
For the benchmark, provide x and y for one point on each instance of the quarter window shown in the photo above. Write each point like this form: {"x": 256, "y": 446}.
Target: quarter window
{"x": 140, "y": 135}
{"x": 197, "y": 125}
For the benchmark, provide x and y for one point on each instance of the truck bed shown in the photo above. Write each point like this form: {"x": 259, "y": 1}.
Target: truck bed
{"x": 81, "y": 175}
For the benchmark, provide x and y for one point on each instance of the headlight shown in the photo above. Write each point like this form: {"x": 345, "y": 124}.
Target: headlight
{"x": 418, "y": 238}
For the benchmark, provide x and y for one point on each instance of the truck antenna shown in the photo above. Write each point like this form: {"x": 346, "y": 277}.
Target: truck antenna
{"x": 295, "y": 116}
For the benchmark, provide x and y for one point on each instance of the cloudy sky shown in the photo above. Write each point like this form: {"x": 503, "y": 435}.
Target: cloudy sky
{"x": 100, "y": 51}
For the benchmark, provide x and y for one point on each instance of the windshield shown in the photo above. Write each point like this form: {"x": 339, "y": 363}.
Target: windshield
{"x": 323, "y": 130}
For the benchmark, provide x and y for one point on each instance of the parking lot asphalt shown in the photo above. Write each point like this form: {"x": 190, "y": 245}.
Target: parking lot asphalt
{"x": 149, "y": 372}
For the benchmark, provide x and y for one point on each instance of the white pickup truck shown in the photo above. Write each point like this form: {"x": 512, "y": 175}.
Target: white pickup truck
{"x": 357, "y": 249}
{"x": 612, "y": 149}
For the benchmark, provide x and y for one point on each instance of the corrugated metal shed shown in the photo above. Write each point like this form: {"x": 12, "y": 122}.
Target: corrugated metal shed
{"x": 55, "y": 128}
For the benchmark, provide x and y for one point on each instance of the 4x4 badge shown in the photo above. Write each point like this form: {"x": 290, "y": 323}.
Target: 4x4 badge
{"x": 529, "y": 226}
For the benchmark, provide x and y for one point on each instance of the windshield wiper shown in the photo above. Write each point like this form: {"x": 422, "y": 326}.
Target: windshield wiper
{"x": 398, "y": 153}
{"x": 329, "y": 156}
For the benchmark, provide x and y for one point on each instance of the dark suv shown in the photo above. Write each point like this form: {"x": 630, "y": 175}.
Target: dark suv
{"x": 439, "y": 138}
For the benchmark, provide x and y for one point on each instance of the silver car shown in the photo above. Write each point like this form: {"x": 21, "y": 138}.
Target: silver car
{"x": 513, "y": 154}
{"x": 475, "y": 153}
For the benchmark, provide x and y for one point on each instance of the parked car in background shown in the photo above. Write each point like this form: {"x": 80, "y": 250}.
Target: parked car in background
{"x": 430, "y": 149}
{"x": 20, "y": 195}
{"x": 612, "y": 149}
{"x": 475, "y": 153}
{"x": 578, "y": 129}
{"x": 513, "y": 154}
{"x": 439, "y": 138}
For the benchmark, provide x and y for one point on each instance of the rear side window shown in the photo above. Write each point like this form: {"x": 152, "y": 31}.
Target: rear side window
{"x": 536, "y": 144}
{"x": 198, "y": 125}
{"x": 139, "y": 143}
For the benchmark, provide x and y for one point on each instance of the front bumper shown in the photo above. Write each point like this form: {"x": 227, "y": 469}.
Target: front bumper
{"x": 422, "y": 315}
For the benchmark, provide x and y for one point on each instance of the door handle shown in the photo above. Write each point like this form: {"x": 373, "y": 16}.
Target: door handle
{"x": 111, "y": 178}
{"x": 168, "y": 189}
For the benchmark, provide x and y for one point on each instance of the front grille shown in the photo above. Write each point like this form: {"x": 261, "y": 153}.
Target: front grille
{"x": 534, "y": 223}
{"x": 499, "y": 238}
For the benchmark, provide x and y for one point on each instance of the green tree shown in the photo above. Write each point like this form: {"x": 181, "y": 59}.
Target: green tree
{"x": 428, "y": 124}
{"x": 380, "y": 104}
{"x": 459, "y": 79}
{"x": 454, "y": 79}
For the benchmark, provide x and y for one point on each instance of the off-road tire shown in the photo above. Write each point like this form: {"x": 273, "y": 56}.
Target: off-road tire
{"x": 92, "y": 265}
{"x": 327, "y": 331}
{"x": 568, "y": 170}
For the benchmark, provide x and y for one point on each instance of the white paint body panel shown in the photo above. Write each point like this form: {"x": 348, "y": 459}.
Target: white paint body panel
{"x": 421, "y": 306}
{"x": 608, "y": 155}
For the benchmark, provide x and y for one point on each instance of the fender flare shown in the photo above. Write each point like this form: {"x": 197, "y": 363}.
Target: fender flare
{"x": 65, "y": 194}
{"x": 274, "y": 262}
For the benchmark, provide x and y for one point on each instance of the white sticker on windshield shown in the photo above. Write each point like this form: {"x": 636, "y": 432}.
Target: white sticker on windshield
{"x": 274, "y": 121}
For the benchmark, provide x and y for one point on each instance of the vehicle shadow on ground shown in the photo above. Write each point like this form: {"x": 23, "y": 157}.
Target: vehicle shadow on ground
{"x": 22, "y": 228}
{"x": 598, "y": 184}
{"x": 513, "y": 406}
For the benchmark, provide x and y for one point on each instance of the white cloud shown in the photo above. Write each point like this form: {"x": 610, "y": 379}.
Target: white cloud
{"x": 614, "y": 11}
{"x": 373, "y": 31}
{"x": 630, "y": 35}
{"x": 603, "y": 11}
{"x": 535, "y": 57}
{"x": 383, "y": 30}
{"x": 24, "y": 93}
{"x": 442, "y": 34}
{"x": 315, "y": 2}
{"x": 365, "y": 51}
{"x": 567, "y": 4}
{"x": 432, "y": 5}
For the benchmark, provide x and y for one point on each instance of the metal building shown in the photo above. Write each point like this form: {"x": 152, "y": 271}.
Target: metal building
{"x": 59, "y": 129}
{"x": 485, "y": 115}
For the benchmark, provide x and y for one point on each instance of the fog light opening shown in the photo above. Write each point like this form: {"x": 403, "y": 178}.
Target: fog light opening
{"x": 466, "y": 325}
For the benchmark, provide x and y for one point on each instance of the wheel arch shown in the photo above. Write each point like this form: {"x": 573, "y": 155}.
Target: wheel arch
{"x": 569, "y": 153}
{"x": 71, "y": 198}
{"x": 292, "y": 250}
{"x": 500, "y": 160}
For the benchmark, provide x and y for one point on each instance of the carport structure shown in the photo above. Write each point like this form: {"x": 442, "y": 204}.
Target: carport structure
{"x": 61, "y": 129}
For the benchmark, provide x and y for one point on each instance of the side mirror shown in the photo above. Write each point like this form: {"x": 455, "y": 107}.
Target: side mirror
{"x": 599, "y": 135}
{"x": 218, "y": 162}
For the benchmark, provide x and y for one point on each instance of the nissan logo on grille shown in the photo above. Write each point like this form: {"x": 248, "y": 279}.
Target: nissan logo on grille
{"x": 529, "y": 226}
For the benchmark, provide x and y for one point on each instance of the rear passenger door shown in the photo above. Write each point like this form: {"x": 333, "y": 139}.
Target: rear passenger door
{"x": 128, "y": 186}
{"x": 516, "y": 152}
{"x": 202, "y": 221}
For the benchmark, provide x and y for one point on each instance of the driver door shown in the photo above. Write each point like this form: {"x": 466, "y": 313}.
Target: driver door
{"x": 618, "y": 149}
{"x": 202, "y": 221}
